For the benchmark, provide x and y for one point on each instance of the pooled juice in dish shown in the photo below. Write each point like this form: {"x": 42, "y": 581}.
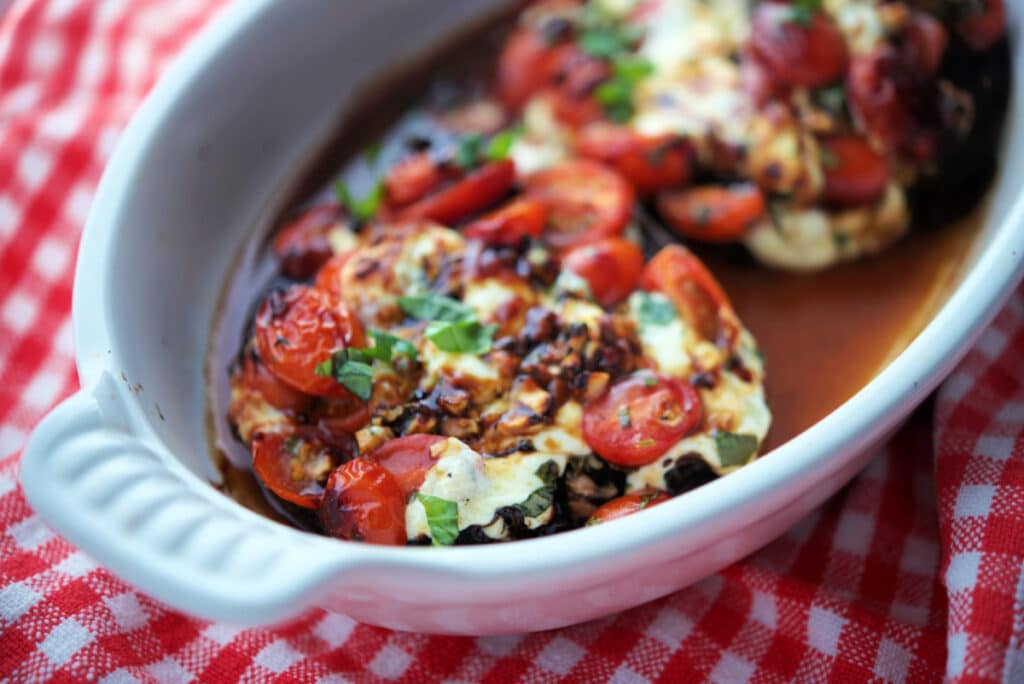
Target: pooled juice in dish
{"x": 471, "y": 333}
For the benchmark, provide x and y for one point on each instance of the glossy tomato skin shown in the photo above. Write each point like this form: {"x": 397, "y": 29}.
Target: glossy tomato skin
{"x": 611, "y": 266}
{"x": 578, "y": 75}
{"x": 640, "y": 417}
{"x": 328, "y": 278}
{"x": 363, "y": 502}
{"x": 407, "y": 459}
{"x": 300, "y": 327}
{"x": 855, "y": 174}
{"x": 302, "y": 246}
{"x": 527, "y": 64}
{"x": 254, "y": 376}
{"x": 627, "y": 505}
{"x": 585, "y": 201}
{"x": 293, "y": 466}
{"x": 679, "y": 275}
{"x": 649, "y": 163}
{"x": 509, "y": 224}
{"x": 480, "y": 189}
{"x": 712, "y": 213}
{"x": 798, "y": 54}
{"x": 983, "y": 29}
{"x": 410, "y": 179}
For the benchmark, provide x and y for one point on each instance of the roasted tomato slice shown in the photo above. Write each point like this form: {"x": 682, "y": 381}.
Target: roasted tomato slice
{"x": 292, "y": 466}
{"x": 411, "y": 179}
{"x": 302, "y": 246}
{"x": 300, "y": 327}
{"x": 407, "y": 459}
{"x": 679, "y": 275}
{"x": 256, "y": 377}
{"x": 982, "y": 23}
{"x": 649, "y": 163}
{"x": 480, "y": 189}
{"x": 363, "y": 502}
{"x": 577, "y": 77}
{"x": 530, "y": 60}
{"x": 585, "y": 201}
{"x": 628, "y": 505}
{"x": 855, "y": 174}
{"x": 611, "y": 267}
{"x": 640, "y": 417}
{"x": 713, "y": 213}
{"x": 328, "y": 278}
{"x": 508, "y": 225}
{"x": 799, "y": 47}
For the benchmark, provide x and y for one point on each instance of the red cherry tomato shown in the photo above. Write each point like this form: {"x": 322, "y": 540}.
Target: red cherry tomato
{"x": 650, "y": 163}
{"x": 508, "y": 225}
{"x": 328, "y": 278}
{"x": 981, "y": 28}
{"x": 798, "y": 53}
{"x": 411, "y": 179}
{"x": 855, "y": 174}
{"x": 640, "y": 417}
{"x": 362, "y": 502}
{"x": 679, "y": 275}
{"x": 478, "y": 190}
{"x": 302, "y": 246}
{"x": 293, "y": 467}
{"x": 578, "y": 75}
{"x": 407, "y": 459}
{"x": 297, "y": 329}
{"x": 611, "y": 267}
{"x": 527, "y": 63}
{"x": 713, "y": 213}
{"x": 257, "y": 378}
{"x": 627, "y": 505}
{"x": 585, "y": 201}
{"x": 926, "y": 40}
{"x": 337, "y": 416}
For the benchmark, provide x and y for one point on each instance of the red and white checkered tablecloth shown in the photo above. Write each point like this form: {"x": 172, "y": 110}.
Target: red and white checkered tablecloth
{"x": 913, "y": 573}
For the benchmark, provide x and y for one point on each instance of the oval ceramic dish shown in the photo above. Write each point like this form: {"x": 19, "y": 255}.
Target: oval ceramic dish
{"x": 122, "y": 469}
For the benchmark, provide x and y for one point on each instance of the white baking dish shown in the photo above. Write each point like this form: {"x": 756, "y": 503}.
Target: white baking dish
{"x": 122, "y": 468}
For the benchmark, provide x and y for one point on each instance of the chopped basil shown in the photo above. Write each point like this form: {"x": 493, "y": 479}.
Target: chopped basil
{"x": 465, "y": 337}
{"x": 547, "y": 472}
{"x": 355, "y": 376}
{"x": 631, "y": 68}
{"x": 361, "y": 208}
{"x": 501, "y": 144}
{"x": 624, "y": 420}
{"x": 467, "y": 154}
{"x": 386, "y": 346}
{"x": 653, "y": 310}
{"x": 802, "y": 11}
{"x": 442, "y": 518}
{"x": 650, "y": 381}
{"x": 735, "y": 449}
{"x": 542, "y": 498}
{"x": 435, "y": 308}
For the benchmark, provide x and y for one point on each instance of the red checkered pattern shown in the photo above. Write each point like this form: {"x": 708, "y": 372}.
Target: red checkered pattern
{"x": 910, "y": 574}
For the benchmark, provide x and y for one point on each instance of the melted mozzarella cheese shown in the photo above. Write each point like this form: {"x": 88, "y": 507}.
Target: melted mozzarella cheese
{"x": 681, "y": 31}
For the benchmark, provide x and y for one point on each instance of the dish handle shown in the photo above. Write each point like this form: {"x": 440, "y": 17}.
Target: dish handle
{"x": 138, "y": 511}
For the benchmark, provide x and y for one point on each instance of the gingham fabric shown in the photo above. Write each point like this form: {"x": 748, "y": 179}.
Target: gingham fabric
{"x": 911, "y": 574}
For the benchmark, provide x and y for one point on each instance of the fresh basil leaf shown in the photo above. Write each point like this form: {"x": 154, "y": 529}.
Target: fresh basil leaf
{"x": 467, "y": 154}
{"x": 735, "y": 449}
{"x": 435, "y": 308}
{"x": 632, "y": 69}
{"x": 465, "y": 337}
{"x": 361, "y": 208}
{"x": 386, "y": 346}
{"x": 501, "y": 144}
{"x": 655, "y": 310}
{"x": 802, "y": 11}
{"x": 325, "y": 369}
{"x": 539, "y": 501}
{"x": 442, "y": 518}
{"x": 356, "y": 377}
{"x": 602, "y": 41}
{"x": 547, "y": 472}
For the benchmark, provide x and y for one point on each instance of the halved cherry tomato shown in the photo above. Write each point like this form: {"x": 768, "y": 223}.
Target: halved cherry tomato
{"x": 256, "y": 377}
{"x": 300, "y": 327}
{"x": 362, "y": 502}
{"x": 302, "y": 246}
{"x": 411, "y": 179}
{"x": 650, "y": 163}
{"x": 628, "y": 504}
{"x": 640, "y": 417}
{"x": 577, "y": 76}
{"x": 337, "y": 416}
{"x": 798, "y": 53}
{"x": 679, "y": 275}
{"x": 982, "y": 27}
{"x": 293, "y": 467}
{"x": 478, "y": 190}
{"x": 585, "y": 201}
{"x": 527, "y": 63}
{"x": 508, "y": 225}
{"x": 328, "y": 278}
{"x": 713, "y": 213}
{"x": 611, "y": 266}
{"x": 855, "y": 174}
{"x": 407, "y": 459}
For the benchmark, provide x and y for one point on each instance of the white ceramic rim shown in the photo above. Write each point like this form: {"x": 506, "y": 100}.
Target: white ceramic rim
{"x": 873, "y": 411}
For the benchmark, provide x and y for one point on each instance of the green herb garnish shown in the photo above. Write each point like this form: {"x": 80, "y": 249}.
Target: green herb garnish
{"x": 461, "y": 337}
{"x": 435, "y": 308}
{"x": 802, "y": 11}
{"x": 355, "y": 376}
{"x": 386, "y": 346}
{"x": 543, "y": 497}
{"x": 735, "y": 449}
{"x": 467, "y": 154}
{"x": 655, "y": 310}
{"x": 500, "y": 145}
{"x": 361, "y": 208}
{"x": 442, "y": 518}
